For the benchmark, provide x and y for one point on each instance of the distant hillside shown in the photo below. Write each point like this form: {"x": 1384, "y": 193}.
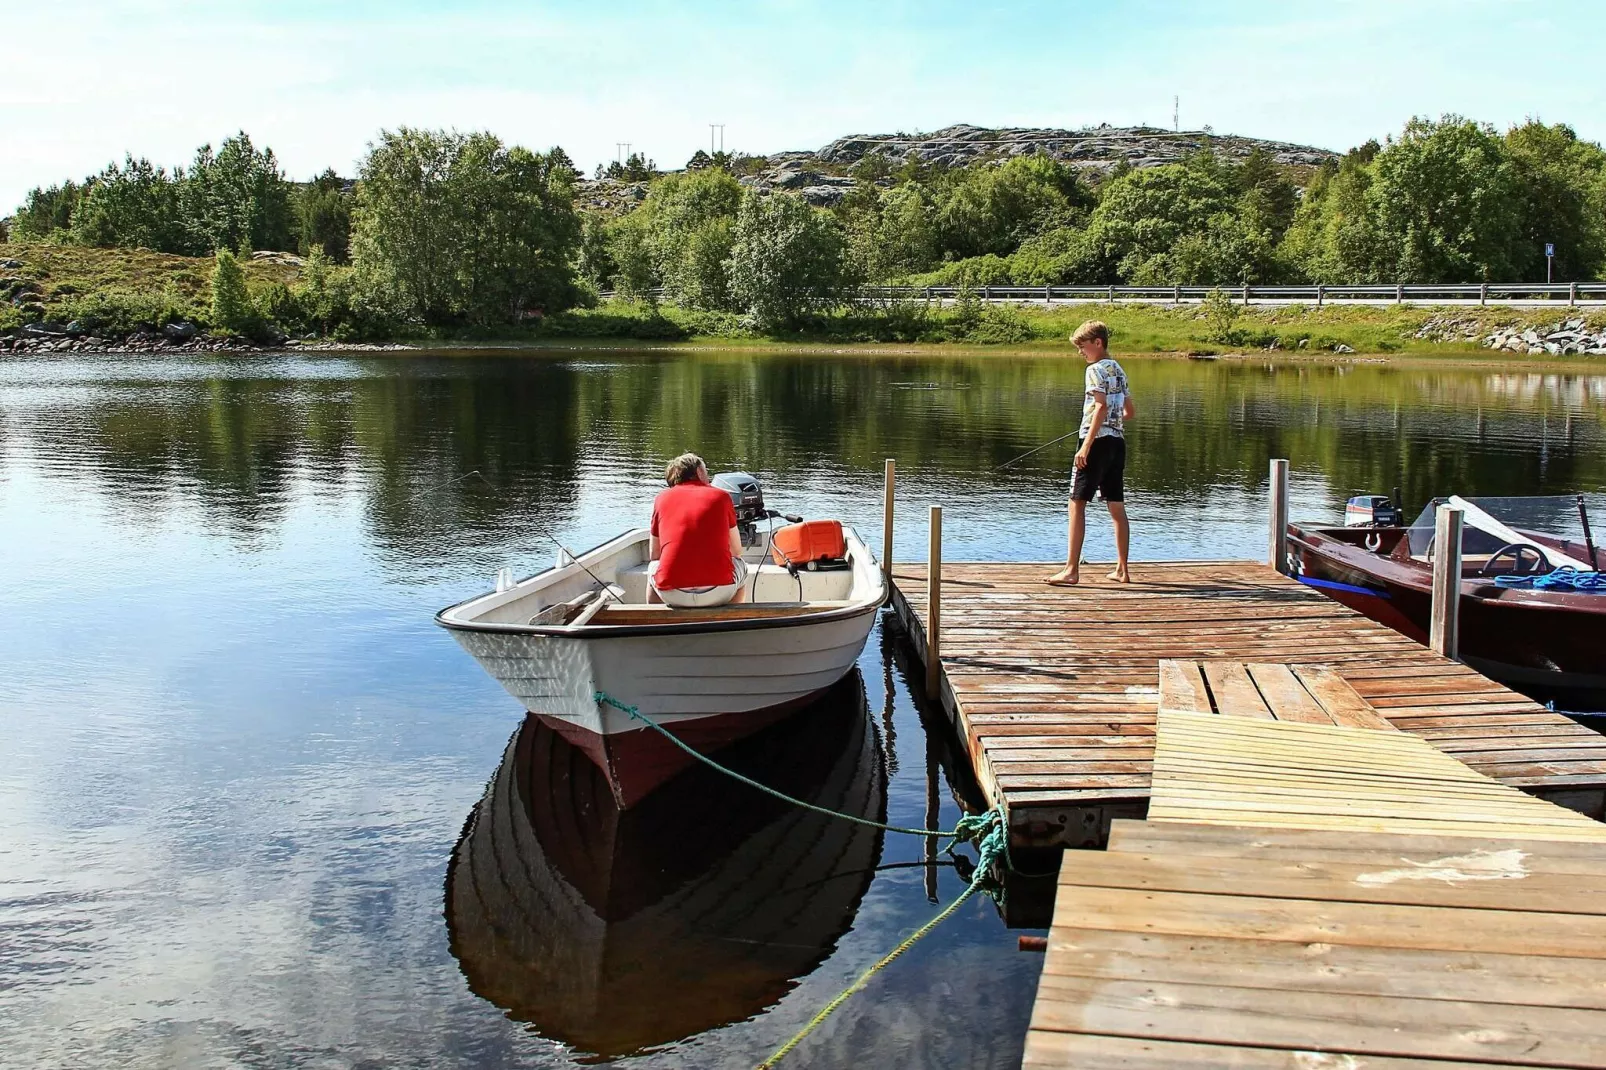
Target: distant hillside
{"x": 821, "y": 176}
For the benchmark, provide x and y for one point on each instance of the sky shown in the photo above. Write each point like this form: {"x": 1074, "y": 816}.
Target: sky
{"x": 82, "y": 82}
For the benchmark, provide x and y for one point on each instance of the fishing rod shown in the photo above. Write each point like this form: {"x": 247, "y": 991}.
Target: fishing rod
{"x": 539, "y": 530}
{"x": 1044, "y": 446}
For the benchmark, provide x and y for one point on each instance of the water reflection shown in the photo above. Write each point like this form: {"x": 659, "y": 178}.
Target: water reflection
{"x": 616, "y": 932}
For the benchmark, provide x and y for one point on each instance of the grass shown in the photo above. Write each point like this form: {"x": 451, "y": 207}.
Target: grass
{"x": 122, "y": 288}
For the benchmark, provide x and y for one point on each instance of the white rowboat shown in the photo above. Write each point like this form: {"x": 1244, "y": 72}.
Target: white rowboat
{"x": 710, "y": 675}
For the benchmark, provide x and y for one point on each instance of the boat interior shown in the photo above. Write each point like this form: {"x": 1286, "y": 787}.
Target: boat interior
{"x": 608, "y": 586}
{"x": 1489, "y": 546}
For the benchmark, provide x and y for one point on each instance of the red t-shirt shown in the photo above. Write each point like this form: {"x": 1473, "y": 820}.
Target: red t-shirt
{"x": 693, "y": 522}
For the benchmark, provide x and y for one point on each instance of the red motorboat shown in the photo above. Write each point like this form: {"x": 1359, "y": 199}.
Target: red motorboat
{"x": 1533, "y": 605}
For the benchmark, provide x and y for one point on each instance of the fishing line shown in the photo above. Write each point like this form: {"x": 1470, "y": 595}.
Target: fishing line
{"x": 573, "y": 557}
{"x": 1044, "y": 446}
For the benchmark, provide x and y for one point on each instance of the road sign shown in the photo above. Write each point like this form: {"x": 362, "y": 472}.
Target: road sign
{"x": 1550, "y": 249}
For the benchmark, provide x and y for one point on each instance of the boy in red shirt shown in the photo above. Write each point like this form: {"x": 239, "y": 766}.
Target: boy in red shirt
{"x": 696, "y": 548}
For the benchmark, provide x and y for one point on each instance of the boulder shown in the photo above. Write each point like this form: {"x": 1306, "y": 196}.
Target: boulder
{"x": 182, "y": 331}
{"x": 1340, "y": 347}
{"x": 821, "y": 196}
{"x": 8, "y": 264}
{"x": 75, "y": 329}
{"x": 42, "y": 330}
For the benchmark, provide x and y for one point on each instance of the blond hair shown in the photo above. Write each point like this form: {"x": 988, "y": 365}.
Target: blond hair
{"x": 682, "y": 469}
{"x": 1090, "y": 330}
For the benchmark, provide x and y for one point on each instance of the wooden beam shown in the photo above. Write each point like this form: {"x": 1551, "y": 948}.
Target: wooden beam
{"x": 1444, "y": 634}
{"x": 1277, "y": 541}
{"x": 886, "y": 524}
{"x": 934, "y": 604}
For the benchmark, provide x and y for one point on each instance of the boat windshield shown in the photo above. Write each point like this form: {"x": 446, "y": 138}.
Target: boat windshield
{"x": 1491, "y": 523}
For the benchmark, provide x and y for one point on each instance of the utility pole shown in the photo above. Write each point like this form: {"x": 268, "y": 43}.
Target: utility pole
{"x": 1176, "y": 112}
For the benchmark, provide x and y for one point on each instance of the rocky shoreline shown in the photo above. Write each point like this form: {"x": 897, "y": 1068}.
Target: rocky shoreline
{"x": 176, "y": 338}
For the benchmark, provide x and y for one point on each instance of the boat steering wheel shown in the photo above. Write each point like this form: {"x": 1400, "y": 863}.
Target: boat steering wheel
{"x": 1521, "y": 553}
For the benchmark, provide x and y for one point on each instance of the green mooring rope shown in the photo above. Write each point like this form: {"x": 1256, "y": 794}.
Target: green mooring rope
{"x": 986, "y": 831}
{"x": 603, "y": 698}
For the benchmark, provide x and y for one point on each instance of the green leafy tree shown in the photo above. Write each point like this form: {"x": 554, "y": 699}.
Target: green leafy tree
{"x": 47, "y": 211}
{"x": 232, "y": 308}
{"x": 1334, "y": 237}
{"x": 323, "y": 217}
{"x": 630, "y": 249}
{"x": 1268, "y": 198}
{"x": 1559, "y": 181}
{"x": 992, "y": 209}
{"x": 1145, "y": 212}
{"x": 135, "y": 205}
{"x": 787, "y": 261}
{"x": 689, "y": 217}
{"x": 235, "y": 198}
{"x": 1445, "y": 202}
{"x": 454, "y": 227}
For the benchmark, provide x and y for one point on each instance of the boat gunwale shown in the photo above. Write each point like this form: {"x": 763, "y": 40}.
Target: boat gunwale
{"x": 668, "y": 627}
{"x": 1418, "y": 577}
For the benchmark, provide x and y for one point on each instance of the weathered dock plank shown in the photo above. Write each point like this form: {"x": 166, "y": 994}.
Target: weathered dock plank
{"x": 1055, "y": 690}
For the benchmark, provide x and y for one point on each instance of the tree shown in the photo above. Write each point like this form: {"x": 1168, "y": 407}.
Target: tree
{"x": 688, "y": 218}
{"x": 1145, "y": 212}
{"x": 1559, "y": 181}
{"x": 232, "y": 309}
{"x": 132, "y": 205}
{"x": 323, "y": 217}
{"x": 1334, "y": 238}
{"x": 786, "y": 262}
{"x": 236, "y": 198}
{"x": 1445, "y": 203}
{"x": 47, "y": 211}
{"x": 456, "y": 227}
{"x": 1267, "y": 197}
{"x": 992, "y": 209}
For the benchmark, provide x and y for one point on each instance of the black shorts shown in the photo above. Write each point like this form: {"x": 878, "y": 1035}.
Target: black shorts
{"x": 1105, "y": 471}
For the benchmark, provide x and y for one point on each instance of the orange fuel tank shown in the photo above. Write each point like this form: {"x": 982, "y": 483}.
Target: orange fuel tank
{"x": 812, "y": 540}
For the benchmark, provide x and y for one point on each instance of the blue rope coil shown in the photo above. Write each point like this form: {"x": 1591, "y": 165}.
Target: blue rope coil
{"x": 1565, "y": 578}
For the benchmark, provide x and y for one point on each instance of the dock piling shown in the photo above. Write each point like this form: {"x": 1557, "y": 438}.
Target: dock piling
{"x": 1444, "y": 636}
{"x": 934, "y": 604}
{"x": 1277, "y": 540}
{"x": 886, "y": 524}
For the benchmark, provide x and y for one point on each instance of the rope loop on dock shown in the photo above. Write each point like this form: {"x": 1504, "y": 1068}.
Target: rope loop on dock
{"x": 987, "y": 831}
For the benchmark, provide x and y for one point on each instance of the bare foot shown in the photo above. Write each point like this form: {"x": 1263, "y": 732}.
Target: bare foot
{"x": 1120, "y": 575}
{"x": 1065, "y": 577}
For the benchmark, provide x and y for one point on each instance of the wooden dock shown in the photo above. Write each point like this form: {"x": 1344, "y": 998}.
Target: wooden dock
{"x": 1056, "y": 691}
{"x": 1318, "y": 895}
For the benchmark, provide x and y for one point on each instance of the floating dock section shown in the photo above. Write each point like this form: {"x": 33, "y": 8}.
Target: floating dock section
{"x": 1056, "y": 691}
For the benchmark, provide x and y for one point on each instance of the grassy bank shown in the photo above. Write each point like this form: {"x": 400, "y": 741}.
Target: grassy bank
{"x": 112, "y": 293}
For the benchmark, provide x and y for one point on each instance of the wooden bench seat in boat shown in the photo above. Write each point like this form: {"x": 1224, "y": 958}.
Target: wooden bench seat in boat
{"x": 658, "y": 613}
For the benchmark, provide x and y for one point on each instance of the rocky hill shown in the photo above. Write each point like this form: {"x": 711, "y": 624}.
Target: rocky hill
{"x": 821, "y": 177}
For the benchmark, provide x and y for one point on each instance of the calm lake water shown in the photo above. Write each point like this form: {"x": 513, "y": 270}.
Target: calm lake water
{"x": 259, "y": 811}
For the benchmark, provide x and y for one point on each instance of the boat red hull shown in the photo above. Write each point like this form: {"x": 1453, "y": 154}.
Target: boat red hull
{"x": 637, "y": 762}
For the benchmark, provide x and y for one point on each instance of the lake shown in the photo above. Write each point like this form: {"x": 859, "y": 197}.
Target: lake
{"x": 260, "y": 811}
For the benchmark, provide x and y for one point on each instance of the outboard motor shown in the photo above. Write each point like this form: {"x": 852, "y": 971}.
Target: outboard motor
{"x": 1372, "y": 511}
{"x": 748, "y": 498}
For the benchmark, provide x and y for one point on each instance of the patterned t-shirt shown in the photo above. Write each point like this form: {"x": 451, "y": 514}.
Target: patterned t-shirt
{"x": 1107, "y": 377}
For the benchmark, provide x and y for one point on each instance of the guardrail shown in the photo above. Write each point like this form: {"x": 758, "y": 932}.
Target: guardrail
{"x": 1455, "y": 293}
{"x": 1573, "y": 293}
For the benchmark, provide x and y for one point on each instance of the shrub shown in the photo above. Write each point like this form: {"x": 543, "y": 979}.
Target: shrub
{"x": 117, "y": 313}
{"x": 1221, "y": 314}
{"x": 232, "y": 309}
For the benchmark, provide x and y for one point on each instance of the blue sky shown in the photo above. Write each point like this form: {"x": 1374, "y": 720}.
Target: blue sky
{"x": 82, "y": 82}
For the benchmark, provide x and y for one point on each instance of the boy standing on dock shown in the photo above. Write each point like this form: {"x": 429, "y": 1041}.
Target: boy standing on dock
{"x": 1100, "y": 462}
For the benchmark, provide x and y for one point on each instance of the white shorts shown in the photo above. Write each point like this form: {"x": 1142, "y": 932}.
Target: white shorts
{"x": 695, "y": 597}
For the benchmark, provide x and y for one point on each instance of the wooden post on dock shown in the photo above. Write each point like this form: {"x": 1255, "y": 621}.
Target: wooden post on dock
{"x": 934, "y": 604}
{"x": 1277, "y": 536}
{"x": 886, "y": 525}
{"x": 1444, "y": 634}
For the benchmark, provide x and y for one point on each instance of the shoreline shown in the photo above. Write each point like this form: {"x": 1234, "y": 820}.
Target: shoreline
{"x": 1453, "y": 357}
